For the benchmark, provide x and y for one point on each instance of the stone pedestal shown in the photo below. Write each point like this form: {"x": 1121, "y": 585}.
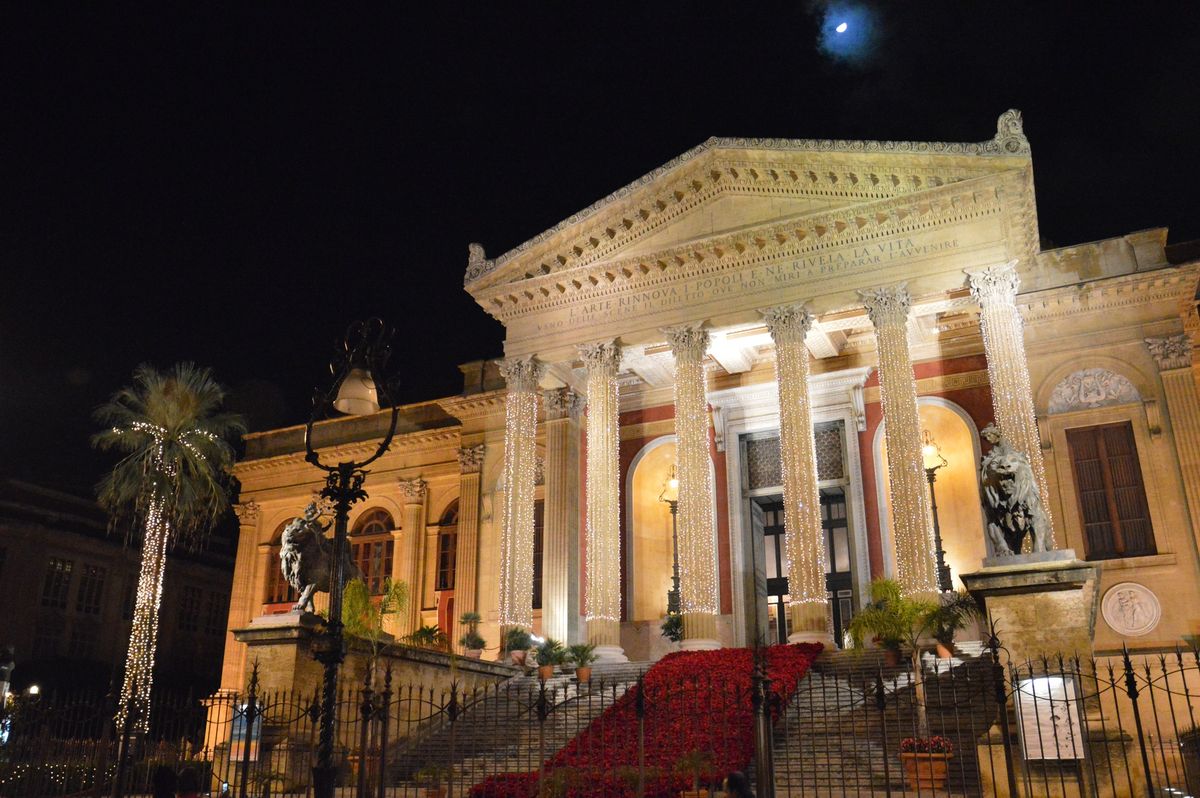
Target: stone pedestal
{"x": 1040, "y": 603}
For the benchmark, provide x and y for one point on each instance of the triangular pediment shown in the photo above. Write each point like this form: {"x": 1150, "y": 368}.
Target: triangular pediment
{"x": 726, "y": 185}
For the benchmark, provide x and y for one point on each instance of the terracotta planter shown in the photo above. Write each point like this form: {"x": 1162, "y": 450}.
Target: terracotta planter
{"x": 945, "y": 652}
{"x": 925, "y": 770}
{"x": 474, "y": 653}
{"x": 545, "y": 672}
{"x": 891, "y": 658}
{"x": 435, "y": 792}
{"x": 518, "y": 657}
{"x": 583, "y": 674}
{"x": 693, "y": 794}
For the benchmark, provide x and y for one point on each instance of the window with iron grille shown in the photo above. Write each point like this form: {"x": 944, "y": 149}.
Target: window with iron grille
{"x": 57, "y": 584}
{"x": 189, "y": 608}
{"x": 47, "y": 637}
{"x": 1111, "y": 495}
{"x": 91, "y": 590}
{"x": 84, "y": 637}
{"x": 539, "y": 522}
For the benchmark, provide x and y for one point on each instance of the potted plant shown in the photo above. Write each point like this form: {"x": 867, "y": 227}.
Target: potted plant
{"x": 926, "y": 761}
{"x": 431, "y": 777}
{"x": 549, "y": 654}
{"x": 695, "y": 765}
{"x": 947, "y": 618}
{"x": 583, "y": 655}
{"x": 364, "y": 617}
{"x": 516, "y": 642}
{"x": 471, "y": 641}
{"x": 893, "y": 618}
{"x": 672, "y": 627}
{"x": 428, "y": 636}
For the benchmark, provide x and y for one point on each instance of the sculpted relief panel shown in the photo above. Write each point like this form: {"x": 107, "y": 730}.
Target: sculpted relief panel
{"x": 1091, "y": 388}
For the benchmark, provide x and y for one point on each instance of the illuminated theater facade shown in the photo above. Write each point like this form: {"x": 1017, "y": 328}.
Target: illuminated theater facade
{"x": 782, "y": 325}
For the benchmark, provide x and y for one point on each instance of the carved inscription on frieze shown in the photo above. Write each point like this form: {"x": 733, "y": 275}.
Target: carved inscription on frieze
{"x": 698, "y": 290}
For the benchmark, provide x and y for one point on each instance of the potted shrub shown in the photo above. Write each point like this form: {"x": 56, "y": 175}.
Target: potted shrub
{"x": 583, "y": 655}
{"x": 549, "y": 654}
{"x": 892, "y": 618}
{"x": 696, "y": 765}
{"x": 926, "y": 761}
{"x": 471, "y": 641}
{"x": 516, "y": 642}
{"x": 945, "y": 620}
{"x": 364, "y": 617}
{"x": 428, "y": 636}
{"x": 431, "y": 777}
{"x": 672, "y": 627}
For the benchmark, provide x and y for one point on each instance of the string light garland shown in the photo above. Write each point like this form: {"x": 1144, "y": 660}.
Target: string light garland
{"x": 912, "y": 524}
{"x": 804, "y": 549}
{"x": 520, "y": 463}
{"x": 602, "y": 361}
{"x": 697, "y": 547}
{"x": 995, "y": 289}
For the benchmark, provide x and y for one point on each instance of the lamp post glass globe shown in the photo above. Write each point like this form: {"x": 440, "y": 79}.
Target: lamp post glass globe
{"x": 357, "y": 395}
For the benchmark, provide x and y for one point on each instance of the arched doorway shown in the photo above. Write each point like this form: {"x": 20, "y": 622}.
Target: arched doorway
{"x": 648, "y": 536}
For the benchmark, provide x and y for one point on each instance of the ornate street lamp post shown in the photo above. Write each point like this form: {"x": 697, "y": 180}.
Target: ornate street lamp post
{"x": 932, "y": 455}
{"x": 670, "y": 496}
{"x": 357, "y": 366}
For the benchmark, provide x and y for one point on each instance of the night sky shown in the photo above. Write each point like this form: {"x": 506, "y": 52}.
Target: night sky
{"x": 234, "y": 185}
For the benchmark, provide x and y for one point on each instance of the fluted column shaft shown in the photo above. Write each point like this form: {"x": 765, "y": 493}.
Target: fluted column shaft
{"x": 520, "y": 464}
{"x": 699, "y": 596}
{"x": 412, "y": 535}
{"x": 1173, "y": 354}
{"x": 912, "y": 530}
{"x": 560, "y": 544}
{"x": 995, "y": 289}
{"x": 466, "y": 558}
{"x": 808, "y": 610}
{"x": 603, "y": 600}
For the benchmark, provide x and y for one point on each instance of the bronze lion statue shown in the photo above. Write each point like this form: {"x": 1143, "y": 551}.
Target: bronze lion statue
{"x": 305, "y": 556}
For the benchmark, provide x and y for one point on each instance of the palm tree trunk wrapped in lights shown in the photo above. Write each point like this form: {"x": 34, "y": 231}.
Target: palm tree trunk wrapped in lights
{"x": 168, "y": 489}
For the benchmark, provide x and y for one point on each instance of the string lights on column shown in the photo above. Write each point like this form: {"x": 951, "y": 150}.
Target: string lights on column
{"x": 995, "y": 289}
{"x": 805, "y": 544}
{"x": 602, "y": 361}
{"x": 916, "y": 567}
{"x": 520, "y": 463}
{"x": 697, "y": 550}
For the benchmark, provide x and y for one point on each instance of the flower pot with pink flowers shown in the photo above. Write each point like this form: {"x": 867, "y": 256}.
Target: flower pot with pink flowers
{"x": 926, "y": 761}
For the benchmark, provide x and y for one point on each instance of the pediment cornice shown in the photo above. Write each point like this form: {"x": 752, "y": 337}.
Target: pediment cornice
{"x": 806, "y": 236}
{"x": 844, "y": 172}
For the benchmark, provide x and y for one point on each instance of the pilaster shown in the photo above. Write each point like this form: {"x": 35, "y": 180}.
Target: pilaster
{"x": 1173, "y": 354}
{"x": 560, "y": 545}
{"x": 412, "y": 533}
{"x": 697, "y": 544}
{"x": 466, "y": 563}
{"x": 912, "y": 530}
{"x": 241, "y": 597}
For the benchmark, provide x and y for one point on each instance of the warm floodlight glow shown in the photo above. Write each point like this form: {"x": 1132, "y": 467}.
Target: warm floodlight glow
{"x": 841, "y": 28}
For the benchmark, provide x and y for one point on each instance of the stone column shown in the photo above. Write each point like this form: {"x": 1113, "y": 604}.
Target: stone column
{"x": 698, "y": 589}
{"x": 912, "y": 530}
{"x": 808, "y": 610}
{"x": 466, "y": 558}
{"x": 602, "y": 361}
{"x": 560, "y": 544}
{"x": 995, "y": 289}
{"x": 242, "y": 605}
{"x": 412, "y": 533}
{"x": 1173, "y": 355}
{"x": 520, "y": 461}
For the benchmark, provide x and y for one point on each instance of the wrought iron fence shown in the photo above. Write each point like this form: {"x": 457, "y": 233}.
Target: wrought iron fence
{"x": 854, "y": 726}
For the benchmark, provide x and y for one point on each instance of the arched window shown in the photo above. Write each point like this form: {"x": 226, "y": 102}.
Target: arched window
{"x": 278, "y": 590}
{"x": 371, "y": 548}
{"x": 447, "y": 550}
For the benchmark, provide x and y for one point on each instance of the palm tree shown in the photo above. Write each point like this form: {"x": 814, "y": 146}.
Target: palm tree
{"x": 168, "y": 489}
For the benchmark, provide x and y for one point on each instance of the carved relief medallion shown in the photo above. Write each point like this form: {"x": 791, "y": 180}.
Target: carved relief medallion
{"x": 1090, "y": 388}
{"x": 1131, "y": 609}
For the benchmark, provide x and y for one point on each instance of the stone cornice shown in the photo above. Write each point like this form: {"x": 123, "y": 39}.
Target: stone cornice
{"x": 806, "y": 235}
{"x": 761, "y": 165}
{"x": 414, "y": 441}
{"x": 477, "y": 405}
{"x": 1177, "y": 285}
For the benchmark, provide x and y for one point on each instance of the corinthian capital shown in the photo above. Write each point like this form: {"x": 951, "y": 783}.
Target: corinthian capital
{"x": 522, "y": 373}
{"x": 689, "y": 342}
{"x": 787, "y": 323}
{"x": 602, "y": 356}
{"x": 470, "y": 458}
{"x": 995, "y": 285}
{"x": 562, "y": 402}
{"x": 888, "y": 305}
{"x": 247, "y": 512}
{"x": 414, "y": 489}
{"x": 1172, "y": 352}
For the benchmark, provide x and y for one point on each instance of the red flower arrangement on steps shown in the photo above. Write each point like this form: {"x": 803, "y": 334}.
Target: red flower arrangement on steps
{"x": 694, "y": 701}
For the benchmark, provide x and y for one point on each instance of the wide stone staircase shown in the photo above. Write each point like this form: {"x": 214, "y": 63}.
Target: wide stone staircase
{"x": 498, "y": 731}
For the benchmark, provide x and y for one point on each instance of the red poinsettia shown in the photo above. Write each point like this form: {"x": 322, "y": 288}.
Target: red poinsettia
{"x": 694, "y": 701}
{"x": 926, "y": 745}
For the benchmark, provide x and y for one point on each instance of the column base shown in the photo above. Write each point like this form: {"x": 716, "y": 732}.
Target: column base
{"x": 699, "y": 644}
{"x": 824, "y": 638}
{"x": 606, "y": 654}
